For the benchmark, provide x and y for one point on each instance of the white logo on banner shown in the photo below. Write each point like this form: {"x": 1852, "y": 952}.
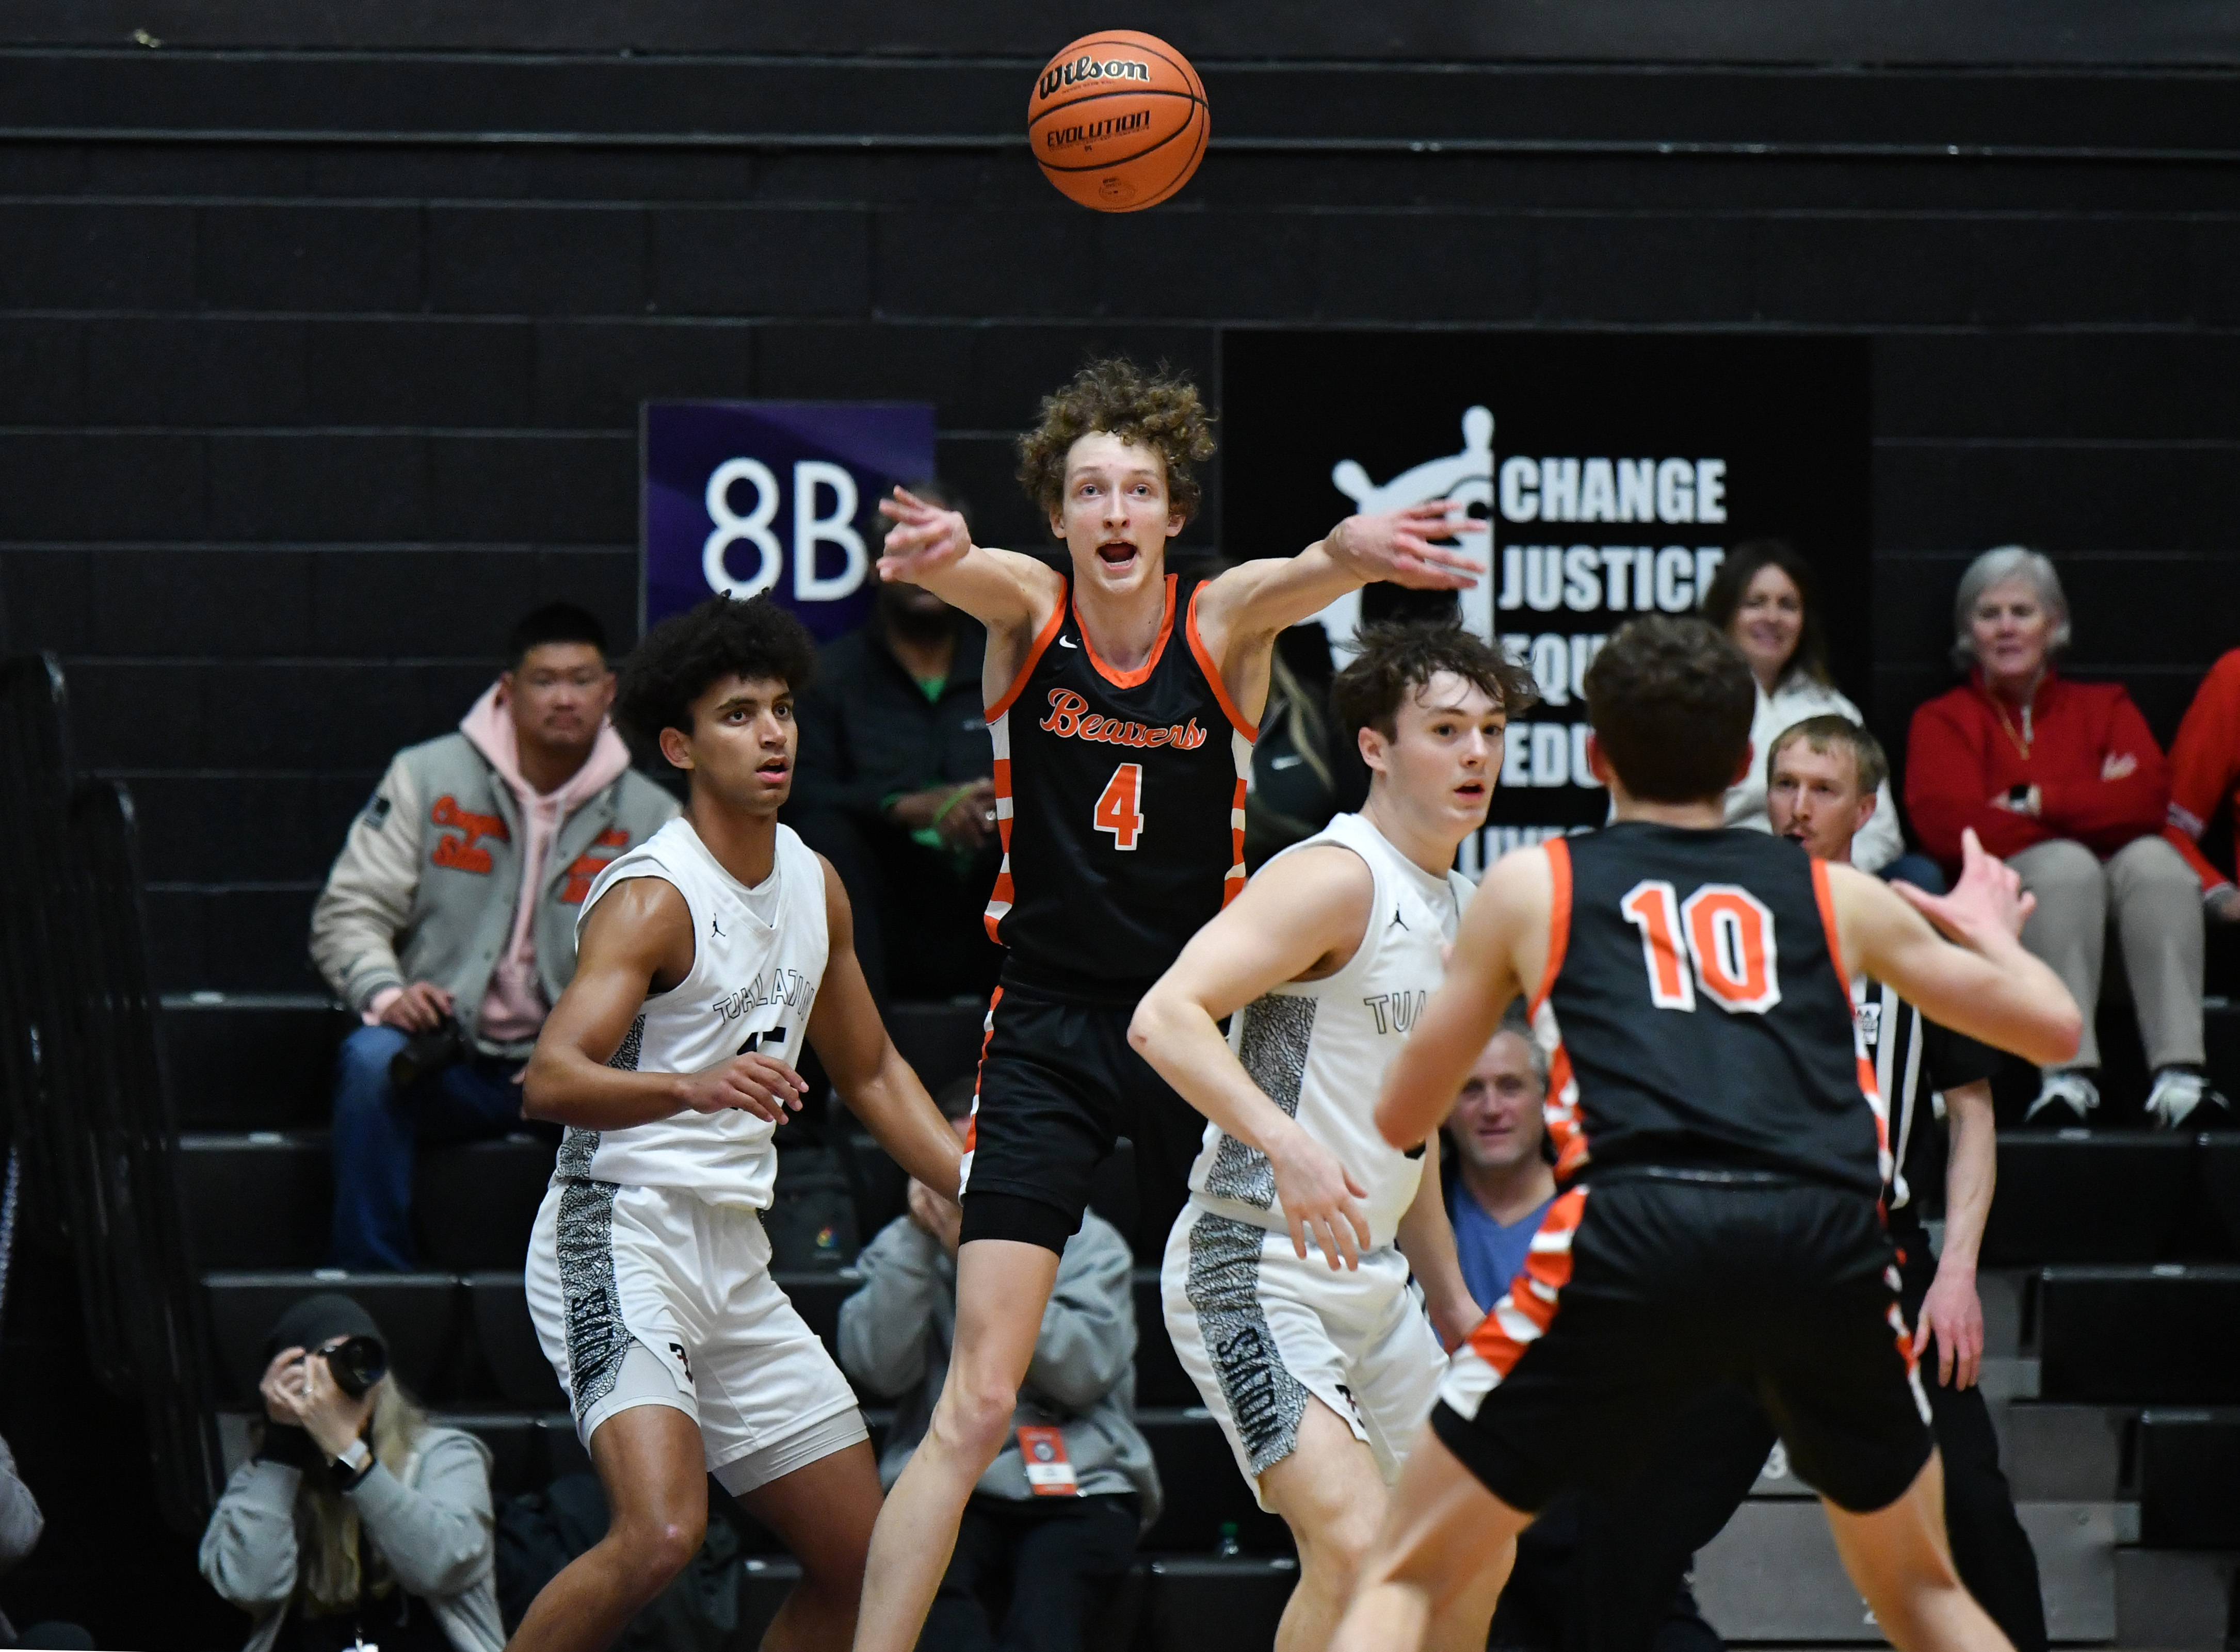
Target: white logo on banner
{"x": 812, "y": 478}
{"x": 1465, "y": 478}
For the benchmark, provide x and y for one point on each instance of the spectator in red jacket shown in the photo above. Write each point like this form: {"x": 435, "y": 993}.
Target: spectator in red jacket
{"x": 2064, "y": 780}
{"x": 2204, "y": 774}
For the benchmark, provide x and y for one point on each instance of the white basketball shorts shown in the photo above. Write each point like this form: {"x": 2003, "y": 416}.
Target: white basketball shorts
{"x": 1259, "y": 1330}
{"x": 652, "y": 1297}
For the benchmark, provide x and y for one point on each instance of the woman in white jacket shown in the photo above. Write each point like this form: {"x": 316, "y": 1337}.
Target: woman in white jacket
{"x": 356, "y": 1522}
{"x": 1764, "y": 599}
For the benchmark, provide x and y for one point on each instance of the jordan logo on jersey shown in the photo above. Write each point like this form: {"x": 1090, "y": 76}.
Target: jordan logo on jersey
{"x": 1070, "y": 719}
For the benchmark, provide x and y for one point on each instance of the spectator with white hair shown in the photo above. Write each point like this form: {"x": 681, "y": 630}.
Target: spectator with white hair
{"x": 2064, "y": 781}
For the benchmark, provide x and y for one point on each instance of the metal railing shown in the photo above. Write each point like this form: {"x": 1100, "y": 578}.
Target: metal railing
{"x": 88, "y": 1114}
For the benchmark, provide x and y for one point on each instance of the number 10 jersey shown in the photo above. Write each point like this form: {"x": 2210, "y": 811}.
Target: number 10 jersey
{"x": 1120, "y": 800}
{"x": 1695, "y": 1012}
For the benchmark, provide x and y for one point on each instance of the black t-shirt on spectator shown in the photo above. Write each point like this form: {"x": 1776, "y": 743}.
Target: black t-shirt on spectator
{"x": 868, "y": 732}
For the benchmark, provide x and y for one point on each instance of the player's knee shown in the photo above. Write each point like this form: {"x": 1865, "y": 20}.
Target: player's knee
{"x": 974, "y": 1418}
{"x": 655, "y": 1551}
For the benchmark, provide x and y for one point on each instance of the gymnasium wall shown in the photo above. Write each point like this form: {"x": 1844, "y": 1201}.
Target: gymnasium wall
{"x": 322, "y": 330}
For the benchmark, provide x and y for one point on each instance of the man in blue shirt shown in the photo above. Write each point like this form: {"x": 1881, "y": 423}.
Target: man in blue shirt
{"x": 1502, "y": 1184}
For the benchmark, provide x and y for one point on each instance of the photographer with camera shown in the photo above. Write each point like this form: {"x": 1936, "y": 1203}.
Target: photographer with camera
{"x": 448, "y": 921}
{"x": 356, "y": 1523}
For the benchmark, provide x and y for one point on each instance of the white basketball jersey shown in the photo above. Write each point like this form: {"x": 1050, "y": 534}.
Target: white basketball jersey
{"x": 1319, "y": 1048}
{"x": 754, "y": 980}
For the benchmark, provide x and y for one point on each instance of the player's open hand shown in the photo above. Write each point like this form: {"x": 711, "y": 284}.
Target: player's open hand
{"x": 759, "y": 1084}
{"x": 924, "y": 539}
{"x": 1320, "y": 1197}
{"x": 1987, "y": 901}
{"x": 1398, "y": 545}
{"x": 1952, "y": 1313}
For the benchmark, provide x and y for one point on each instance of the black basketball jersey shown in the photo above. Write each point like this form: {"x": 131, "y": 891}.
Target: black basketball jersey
{"x": 1695, "y": 1013}
{"x": 1120, "y": 799}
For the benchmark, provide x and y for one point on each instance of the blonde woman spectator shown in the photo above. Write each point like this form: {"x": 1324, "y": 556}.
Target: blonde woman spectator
{"x": 2064, "y": 782}
{"x": 357, "y": 1522}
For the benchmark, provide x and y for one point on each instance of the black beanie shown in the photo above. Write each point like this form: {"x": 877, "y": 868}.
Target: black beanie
{"x": 318, "y": 1320}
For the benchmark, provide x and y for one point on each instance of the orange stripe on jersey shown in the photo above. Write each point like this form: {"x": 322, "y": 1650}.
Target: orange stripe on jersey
{"x": 1524, "y": 1314}
{"x": 1560, "y": 1112}
{"x": 1205, "y": 663}
{"x": 1232, "y": 884}
{"x": 1559, "y": 919}
{"x": 1142, "y": 673}
{"x": 1034, "y": 657}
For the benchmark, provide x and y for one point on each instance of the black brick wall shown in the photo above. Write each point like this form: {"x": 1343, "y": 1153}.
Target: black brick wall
{"x": 316, "y": 367}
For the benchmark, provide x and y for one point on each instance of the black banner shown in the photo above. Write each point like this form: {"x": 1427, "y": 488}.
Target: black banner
{"x": 1615, "y": 470}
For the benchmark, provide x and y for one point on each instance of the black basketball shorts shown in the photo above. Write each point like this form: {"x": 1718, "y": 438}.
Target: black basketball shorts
{"x": 1648, "y": 1287}
{"x": 1059, "y": 1085}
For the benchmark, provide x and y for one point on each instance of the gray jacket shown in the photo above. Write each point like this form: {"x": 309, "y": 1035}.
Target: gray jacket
{"x": 432, "y": 1524}
{"x": 428, "y": 879}
{"x": 895, "y": 1333}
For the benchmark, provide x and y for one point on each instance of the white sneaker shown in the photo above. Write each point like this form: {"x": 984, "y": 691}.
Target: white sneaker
{"x": 2069, "y": 1097}
{"x": 2178, "y": 1094}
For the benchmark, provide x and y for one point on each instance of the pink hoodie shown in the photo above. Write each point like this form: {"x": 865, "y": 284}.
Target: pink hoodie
{"x": 513, "y": 1007}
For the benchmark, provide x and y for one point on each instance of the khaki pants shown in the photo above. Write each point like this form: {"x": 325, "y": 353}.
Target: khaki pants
{"x": 2154, "y": 900}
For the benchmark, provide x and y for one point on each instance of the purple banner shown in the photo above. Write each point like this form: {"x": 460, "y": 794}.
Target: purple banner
{"x": 774, "y": 497}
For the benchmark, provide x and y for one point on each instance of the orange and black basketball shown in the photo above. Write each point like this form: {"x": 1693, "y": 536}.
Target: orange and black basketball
{"x": 1118, "y": 120}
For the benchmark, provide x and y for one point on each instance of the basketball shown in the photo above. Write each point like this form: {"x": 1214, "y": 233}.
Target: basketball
{"x": 1118, "y": 121}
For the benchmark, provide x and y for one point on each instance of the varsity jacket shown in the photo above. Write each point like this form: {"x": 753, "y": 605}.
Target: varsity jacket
{"x": 2205, "y": 768}
{"x": 429, "y": 880}
{"x": 896, "y": 1334}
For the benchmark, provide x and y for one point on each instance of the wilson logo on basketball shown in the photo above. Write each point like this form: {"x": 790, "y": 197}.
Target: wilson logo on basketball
{"x": 1059, "y": 137}
{"x": 1068, "y": 721}
{"x": 1084, "y": 70}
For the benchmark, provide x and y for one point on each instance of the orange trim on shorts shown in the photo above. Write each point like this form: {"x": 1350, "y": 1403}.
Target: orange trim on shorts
{"x": 1134, "y": 679}
{"x": 1525, "y": 1312}
{"x": 1250, "y": 731}
{"x": 1027, "y": 666}
{"x": 987, "y": 1037}
{"x": 1559, "y": 920}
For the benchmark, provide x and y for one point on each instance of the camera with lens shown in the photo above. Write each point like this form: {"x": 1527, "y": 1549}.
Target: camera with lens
{"x": 426, "y": 1053}
{"x": 357, "y": 1363}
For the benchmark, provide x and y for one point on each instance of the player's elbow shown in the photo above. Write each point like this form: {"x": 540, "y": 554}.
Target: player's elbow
{"x": 2062, "y": 1035}
{"x": 537, "y": 1088}
{"x": 1143, "y": 1025}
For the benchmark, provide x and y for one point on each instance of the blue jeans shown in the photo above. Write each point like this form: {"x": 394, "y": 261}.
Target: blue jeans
{"x": 378, "y": 1127}
{"x": 1917, "y": 870}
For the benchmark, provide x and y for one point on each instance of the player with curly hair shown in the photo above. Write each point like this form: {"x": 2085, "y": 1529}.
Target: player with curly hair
{"x": 708, "y": 957}
{"x": 1122, "y": 701}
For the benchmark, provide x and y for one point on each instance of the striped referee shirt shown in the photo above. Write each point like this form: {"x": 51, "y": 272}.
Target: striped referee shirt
{"x": 1913, "y": 1057}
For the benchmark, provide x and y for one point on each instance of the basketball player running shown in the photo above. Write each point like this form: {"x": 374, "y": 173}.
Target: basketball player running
{"x": 1122, "y": 703}
{"x": 708, "y": 956}
{"x": 1322, "y": 1368}
{"x": 1719, "y": 1220}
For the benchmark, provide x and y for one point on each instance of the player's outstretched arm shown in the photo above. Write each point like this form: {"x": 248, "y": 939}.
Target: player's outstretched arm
{"x": 1484, "y": 974}
{"x": 1427, "y": 1239}
{"x": 1261, "y": 597}
{"x": 1988, "y": 986}
{"x": 873, "y": 1079}
{"x": 1301, "y": 918}
{"x": 638, "y": 939}
{"x": 1009, "y": 593}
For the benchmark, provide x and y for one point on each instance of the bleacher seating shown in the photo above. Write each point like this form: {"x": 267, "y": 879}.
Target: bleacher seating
{"x": 2164, "y": 1334}
{"x": 2189, "y": 1479}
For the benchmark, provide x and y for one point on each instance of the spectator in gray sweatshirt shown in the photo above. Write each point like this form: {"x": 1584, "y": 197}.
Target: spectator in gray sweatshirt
{"x": 356, "y": 1522}
{"x": 1057, "y": 1516}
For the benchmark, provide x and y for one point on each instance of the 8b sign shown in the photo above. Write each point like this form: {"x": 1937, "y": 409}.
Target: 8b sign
{"x": 776, "y": 497}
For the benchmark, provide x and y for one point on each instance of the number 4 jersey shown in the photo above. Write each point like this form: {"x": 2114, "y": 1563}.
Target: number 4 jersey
{"x": 1695, "y": 1012}
{"x": 1120, "y": 798}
